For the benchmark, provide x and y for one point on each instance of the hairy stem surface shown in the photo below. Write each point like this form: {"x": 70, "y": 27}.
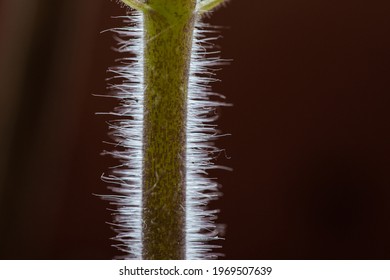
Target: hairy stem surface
{"x": 167, "y": 48}
{"x": 175, "y": 143}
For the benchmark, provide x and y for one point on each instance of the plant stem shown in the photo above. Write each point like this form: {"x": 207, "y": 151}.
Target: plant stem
{"x": 168, "y": 35}
{"x": 167, "y": 49}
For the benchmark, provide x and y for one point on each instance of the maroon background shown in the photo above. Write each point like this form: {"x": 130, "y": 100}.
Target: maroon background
{"x": 310, "y": 129}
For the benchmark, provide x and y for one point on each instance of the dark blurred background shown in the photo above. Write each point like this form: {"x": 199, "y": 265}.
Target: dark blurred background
{"x": 310, "y": 143}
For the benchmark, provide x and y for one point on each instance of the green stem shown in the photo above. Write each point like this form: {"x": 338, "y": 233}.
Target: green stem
{"x": 168, "y": 41}
{"x": 168, "y": 32}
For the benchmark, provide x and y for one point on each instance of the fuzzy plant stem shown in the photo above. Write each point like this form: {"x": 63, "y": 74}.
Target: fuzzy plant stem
{"x": 168, "y": 41}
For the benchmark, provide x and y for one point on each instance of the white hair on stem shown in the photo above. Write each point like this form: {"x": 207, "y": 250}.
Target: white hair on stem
{"x": 125, "y": 180}
{"x": 201, "y": 132}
